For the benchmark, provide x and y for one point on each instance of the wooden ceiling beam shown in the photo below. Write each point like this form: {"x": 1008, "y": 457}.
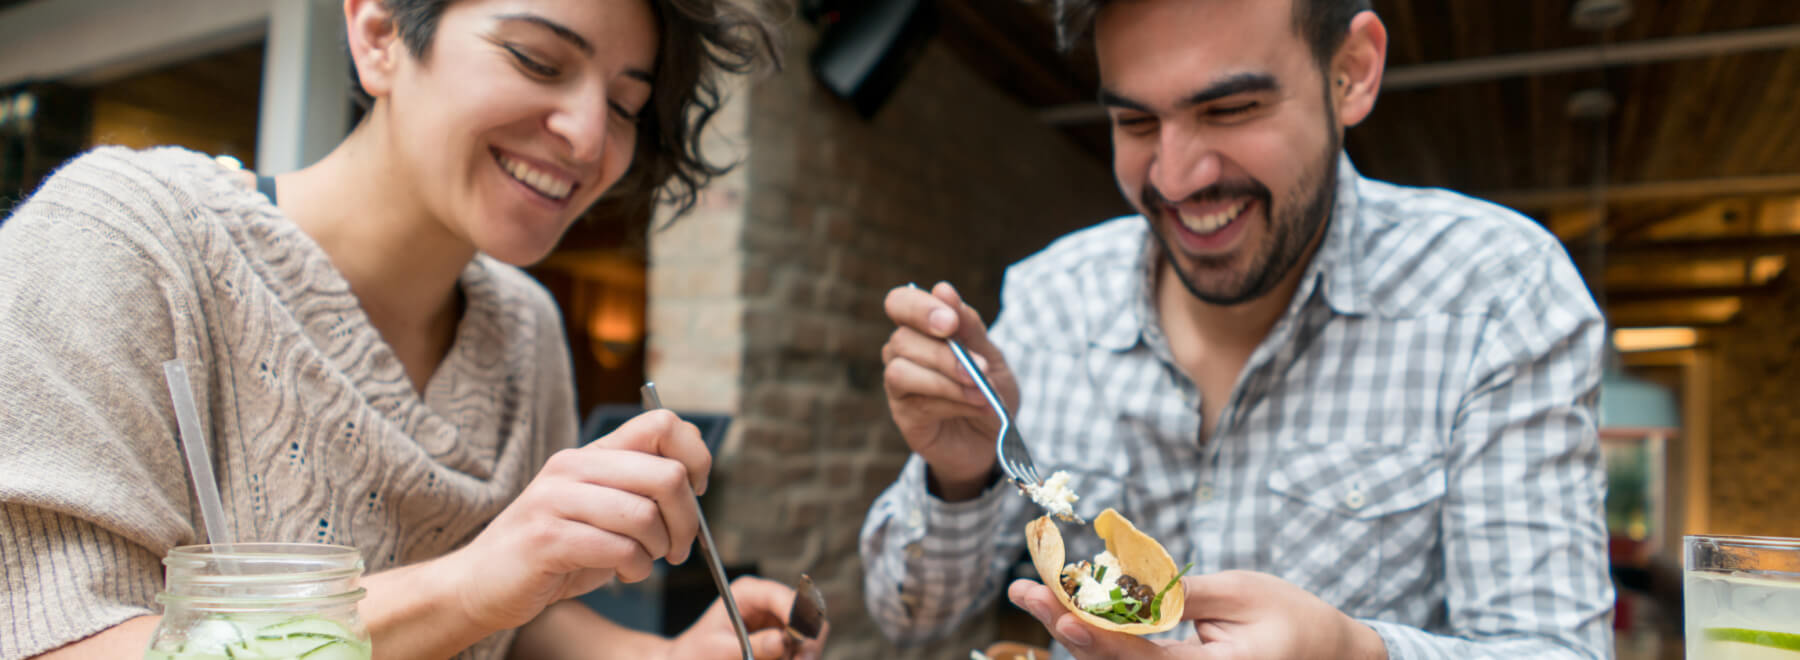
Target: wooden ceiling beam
{"x": 1648, "y": 191}
{"x": 1656, "y": 315}
{"x": 1587, "y": 58}
{"x": 1481, "y": 69}
{"x": 1723, "y": 247}
{"x": 1629, "y": 296}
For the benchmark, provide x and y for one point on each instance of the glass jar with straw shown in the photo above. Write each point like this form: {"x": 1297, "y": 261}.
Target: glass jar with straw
{"x": 251, "y": 601}
{"x": 262, "y": 601}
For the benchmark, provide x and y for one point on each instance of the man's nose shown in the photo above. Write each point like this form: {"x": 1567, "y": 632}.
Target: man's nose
{"x": 1185, "y": 164}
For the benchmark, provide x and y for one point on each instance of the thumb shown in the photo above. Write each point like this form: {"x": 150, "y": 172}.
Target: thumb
{"x": 1220, "y": 596}
{"x": 768, "y": 645}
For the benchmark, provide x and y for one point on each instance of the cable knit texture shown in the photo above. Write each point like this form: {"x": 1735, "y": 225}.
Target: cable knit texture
{"x": 125, "y": 259}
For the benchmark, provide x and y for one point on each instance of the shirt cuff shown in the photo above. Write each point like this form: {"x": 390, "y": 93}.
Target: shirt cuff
{"x": 948, "y": 529}
{"x": 1403, "y": 642}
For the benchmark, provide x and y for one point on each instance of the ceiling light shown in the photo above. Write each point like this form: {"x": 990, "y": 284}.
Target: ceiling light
{"x": 1632, "y": 340}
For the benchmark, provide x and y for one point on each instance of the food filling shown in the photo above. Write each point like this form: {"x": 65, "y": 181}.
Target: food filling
{"x": 1102, "y": 589}
{"x": 1055, "y": 496}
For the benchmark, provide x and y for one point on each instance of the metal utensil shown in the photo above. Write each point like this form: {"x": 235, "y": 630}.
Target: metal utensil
{"x": 654, "y": 402}
{"x": 806, "y": 619}
{"x": 1009, "y": 446}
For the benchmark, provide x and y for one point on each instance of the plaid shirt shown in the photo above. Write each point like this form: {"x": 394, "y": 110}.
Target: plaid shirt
{"x": 1414, "y": 442}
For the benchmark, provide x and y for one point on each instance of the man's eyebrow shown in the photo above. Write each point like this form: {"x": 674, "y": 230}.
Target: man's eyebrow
{"x": 560, "y": 30}
{"x": 1113, "y": 99}
{"x": 1231, "y": 86}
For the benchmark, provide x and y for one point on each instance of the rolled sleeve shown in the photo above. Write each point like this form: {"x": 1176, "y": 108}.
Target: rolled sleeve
{"x": 927, "y": 563}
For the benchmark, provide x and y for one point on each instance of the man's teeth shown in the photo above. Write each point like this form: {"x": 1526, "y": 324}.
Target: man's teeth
{"x": 1211, "y": 222}
{"x": 545, "y": 183}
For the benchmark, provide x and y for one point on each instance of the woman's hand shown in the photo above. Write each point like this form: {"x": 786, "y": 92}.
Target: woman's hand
{"x": 765, "y": 607}
{"x": 608, "y": 509}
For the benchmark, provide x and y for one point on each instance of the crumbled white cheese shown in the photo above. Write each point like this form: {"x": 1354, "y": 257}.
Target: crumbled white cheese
{"x": 1094, "y": 592}
{"x": 1054, "y": 495}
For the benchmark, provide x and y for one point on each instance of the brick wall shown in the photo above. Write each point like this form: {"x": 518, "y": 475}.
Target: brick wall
{"x": 1755, "y": 434}
{"x": 767, "y": 303}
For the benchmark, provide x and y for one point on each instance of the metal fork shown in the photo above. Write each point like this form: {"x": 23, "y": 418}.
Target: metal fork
{"x": 654, "y": 402}
{"x": 1009, "y": 446}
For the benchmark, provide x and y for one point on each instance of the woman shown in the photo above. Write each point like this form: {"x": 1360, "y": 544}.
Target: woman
{"x": 370, "y": 370}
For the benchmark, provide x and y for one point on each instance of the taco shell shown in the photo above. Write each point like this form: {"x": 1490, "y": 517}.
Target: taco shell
{"x": 1139, "y": 556}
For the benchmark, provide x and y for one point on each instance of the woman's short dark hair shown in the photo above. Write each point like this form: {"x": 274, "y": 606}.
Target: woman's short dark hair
{"x": 1322, "y": 23}
{"x": 701, "y": 40}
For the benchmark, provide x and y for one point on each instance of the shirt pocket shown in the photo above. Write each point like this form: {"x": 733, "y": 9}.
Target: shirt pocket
{"x": 1355, "y": 525}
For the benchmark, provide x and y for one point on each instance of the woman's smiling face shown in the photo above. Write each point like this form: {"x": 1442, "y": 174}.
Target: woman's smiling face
{"x": 518, "y": 115}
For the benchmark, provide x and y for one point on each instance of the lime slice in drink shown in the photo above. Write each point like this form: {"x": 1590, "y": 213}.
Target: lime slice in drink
{"x": 1745, "y": 643}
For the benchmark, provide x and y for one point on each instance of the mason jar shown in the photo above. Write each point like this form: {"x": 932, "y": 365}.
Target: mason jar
{"x": 261, "y": 601}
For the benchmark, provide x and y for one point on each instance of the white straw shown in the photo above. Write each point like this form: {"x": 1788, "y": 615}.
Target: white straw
{"x": 205, "y": 486}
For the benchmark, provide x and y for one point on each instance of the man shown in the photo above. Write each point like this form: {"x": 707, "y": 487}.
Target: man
{"x": 1365, "y": 413}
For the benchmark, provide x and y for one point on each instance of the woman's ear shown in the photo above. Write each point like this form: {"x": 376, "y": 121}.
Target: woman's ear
{"x": 375, "y": 44}
{"x": 1356, "y": 69}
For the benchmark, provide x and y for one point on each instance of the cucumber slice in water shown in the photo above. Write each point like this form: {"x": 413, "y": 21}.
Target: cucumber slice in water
{"x": 338, "y": 650}
{"x": 1779, "y": 640}
{"x": 225, "y": 638}
{"x": 304, "y": 625}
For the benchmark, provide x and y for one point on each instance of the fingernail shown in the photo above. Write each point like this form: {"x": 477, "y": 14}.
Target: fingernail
{"x": 980, "y": 361}
{"x": 942, "y": 320}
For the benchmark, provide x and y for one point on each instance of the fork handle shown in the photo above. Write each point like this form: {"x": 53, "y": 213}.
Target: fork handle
{"x": 981, "y": 383}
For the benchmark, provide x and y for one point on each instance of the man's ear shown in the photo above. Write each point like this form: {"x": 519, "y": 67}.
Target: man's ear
{"x": 1355, "y": 75}
{"x": 375, "y": 44}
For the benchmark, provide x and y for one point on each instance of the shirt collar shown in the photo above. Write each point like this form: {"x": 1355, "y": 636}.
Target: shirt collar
{"x": 1332, "y": 274}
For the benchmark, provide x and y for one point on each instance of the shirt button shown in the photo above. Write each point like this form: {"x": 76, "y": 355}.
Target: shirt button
{"x": 914, "y": 519}
{"x": 1203, "y": 494}
{"x": 1355, "y": 499}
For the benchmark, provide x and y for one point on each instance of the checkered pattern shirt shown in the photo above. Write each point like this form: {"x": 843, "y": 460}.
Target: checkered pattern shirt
{"x": 1414, "y": 442}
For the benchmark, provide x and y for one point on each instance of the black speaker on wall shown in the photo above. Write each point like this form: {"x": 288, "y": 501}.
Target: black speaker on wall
{"x": 866, "y": 46}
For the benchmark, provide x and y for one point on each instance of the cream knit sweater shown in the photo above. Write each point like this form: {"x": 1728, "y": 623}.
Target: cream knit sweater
{"x": 123, "y": 260}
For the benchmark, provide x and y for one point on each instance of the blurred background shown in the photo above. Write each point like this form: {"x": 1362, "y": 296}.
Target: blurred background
{"x": 925, "y": 140}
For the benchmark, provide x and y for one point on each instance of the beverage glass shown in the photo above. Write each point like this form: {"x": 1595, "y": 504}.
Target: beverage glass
{"x": 1742, "y": 597}
{"x": 261, "y": 601}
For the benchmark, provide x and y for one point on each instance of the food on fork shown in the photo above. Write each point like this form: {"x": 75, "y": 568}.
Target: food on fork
{"x": 1054, "y": 495}
{"x": 1132, "y": 587}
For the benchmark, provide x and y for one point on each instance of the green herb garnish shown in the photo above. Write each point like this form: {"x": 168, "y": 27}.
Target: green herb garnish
{"x": 1099, "y": 573}
{"x": 1156, "y": 605}
{"x": 1122, "y": 609}
{"x": 1119, "y": 608}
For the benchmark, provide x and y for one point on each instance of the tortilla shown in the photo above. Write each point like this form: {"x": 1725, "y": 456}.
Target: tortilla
{"x": 1139, "y": 556}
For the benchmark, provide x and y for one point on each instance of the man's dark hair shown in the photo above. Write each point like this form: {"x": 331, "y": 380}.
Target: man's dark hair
{"x": 1322, "y": 23}
{"x": 699, "y": 41}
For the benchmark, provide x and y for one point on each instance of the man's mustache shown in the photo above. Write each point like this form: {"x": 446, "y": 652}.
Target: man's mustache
{"x": 1154, "y": 199}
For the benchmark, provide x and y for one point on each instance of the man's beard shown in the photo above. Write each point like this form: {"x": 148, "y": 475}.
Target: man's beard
{"x": 1291, "y": 229}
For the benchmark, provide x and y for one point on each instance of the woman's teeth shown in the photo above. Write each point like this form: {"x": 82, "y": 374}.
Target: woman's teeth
{"x": 547, "y": 184}
{"x": 1211, "y": 222}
